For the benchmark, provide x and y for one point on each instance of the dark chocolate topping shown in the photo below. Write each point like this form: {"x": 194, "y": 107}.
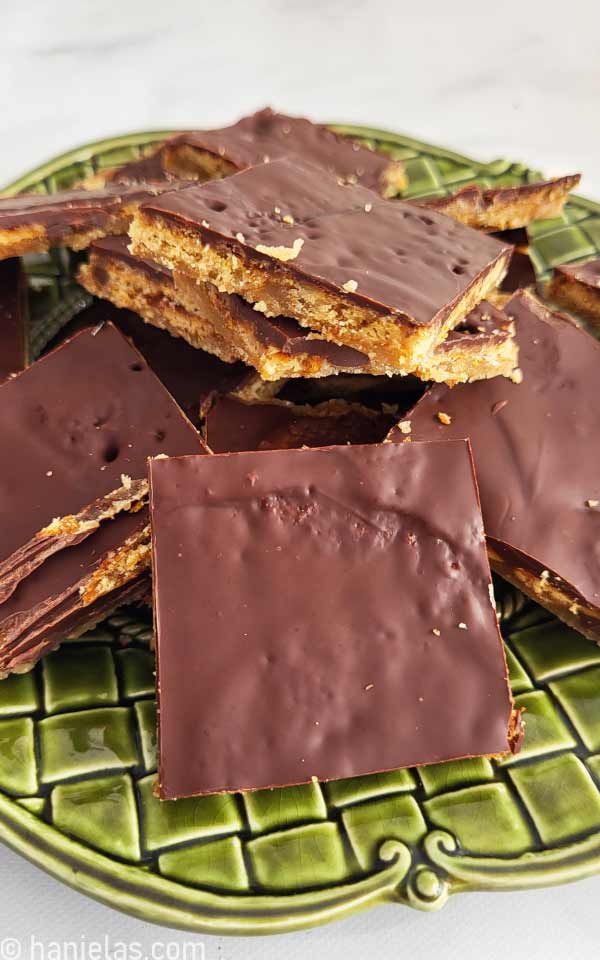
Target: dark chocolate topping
{"x": 484, "y": 323}
{"x": 232, "y": 426}
{"x": 73, "y": 423}
{"x": 13, "y": 346}
{"x": 588, "y": 272}
{"x": 288, "y": 336}
{"x": 521, "y": 273}
{"x": 118, "y": 249}
{"x": 350, "y": 236}
{"x": 534, "y": 444}
{"x": 189, "y": 374}
{"x": 145, "y": 170}
{"x": 73, "y": 210}
{"x": 266, "y": 136}
{"x": 308, "y": 606}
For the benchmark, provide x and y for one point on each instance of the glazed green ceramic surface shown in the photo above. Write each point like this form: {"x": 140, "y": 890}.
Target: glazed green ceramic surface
{"x": 78, "y": 740}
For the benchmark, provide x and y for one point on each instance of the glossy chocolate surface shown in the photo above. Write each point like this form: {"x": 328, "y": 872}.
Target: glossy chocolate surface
{"x": 231, "y": 426}
{"x": 308, "y": 605}
{"x": 13, "y": 339}
{"x": 534, "y": 445}
{"x": 267, "y": 136}
{"x": 350, "y": 237}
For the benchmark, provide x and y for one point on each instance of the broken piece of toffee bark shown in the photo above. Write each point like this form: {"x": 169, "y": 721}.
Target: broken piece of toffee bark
{"x": 505, "y": 208}
{"x": 361, "y": 635}
{"x": 577, "y": 287}
{"x": 31, "y": 223}
{"x": 537, "y": 463}
{"x": 388, "y": 279}
{"x": 277, "y": 347}
{"x": 265, "y": 136}
{"x": 13, "y": 319}
{"x": 231, "y": 425}
{"x": 147, "y": 288}
{"x": 77, "y": 428}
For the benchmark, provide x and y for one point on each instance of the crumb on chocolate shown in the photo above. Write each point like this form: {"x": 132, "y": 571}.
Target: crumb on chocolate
{"x": 444, "y": 418}
{"x": 404, "y": 426}
{"x": 350, "y": 286}
{"x": 282, "y": 253}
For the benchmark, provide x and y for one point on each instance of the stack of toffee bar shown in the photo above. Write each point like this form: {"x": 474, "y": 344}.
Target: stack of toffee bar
{"x": 302, "y": 418}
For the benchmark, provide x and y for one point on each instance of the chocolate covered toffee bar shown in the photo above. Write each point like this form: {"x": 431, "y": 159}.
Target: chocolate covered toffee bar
{"x": 577, "y": 287}
{"x": 388, "y": 279}
{"x": 537, "y": 461}
{"x": 277, "y": 347}
{"x": 31, "y": 223}
{"x": 13, "y": 313}
{"x": 505, "y": 208}
{"x": 361, "y": 635}
{"x": 76, "y": 429}
{"x": 482, "y": 345}
{"x": 266, "y": 136}
{"x": 231, "y": 425}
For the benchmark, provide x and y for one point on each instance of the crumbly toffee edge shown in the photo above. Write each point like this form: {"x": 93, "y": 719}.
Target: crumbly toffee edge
{"x": 505, "y": 208}
{"x": 389, "y": 339}
{"x": 28, "y": 631}
{"x": 477, "y": 357}
{"x": 154, "y": 302}
{"x": 68, "y": 531}
{"x": 550, "y": 592}
{"x": 73, "y": 622}
{"x": 575, "y": 295}
{"x": 34, "y": 238}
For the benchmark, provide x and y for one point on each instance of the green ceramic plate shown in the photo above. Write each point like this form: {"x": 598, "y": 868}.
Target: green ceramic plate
{"x": 78, "y": 748}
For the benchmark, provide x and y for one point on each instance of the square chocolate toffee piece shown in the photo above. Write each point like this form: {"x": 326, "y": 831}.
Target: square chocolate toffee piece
{"x": 537, "y": 460}
{"x": 76, "y": 429}
{"x": 322, "y": 613}
{"x": 390, "y": 279}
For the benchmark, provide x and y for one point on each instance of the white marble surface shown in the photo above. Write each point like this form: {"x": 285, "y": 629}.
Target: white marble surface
{"x": 514, "y": 79}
